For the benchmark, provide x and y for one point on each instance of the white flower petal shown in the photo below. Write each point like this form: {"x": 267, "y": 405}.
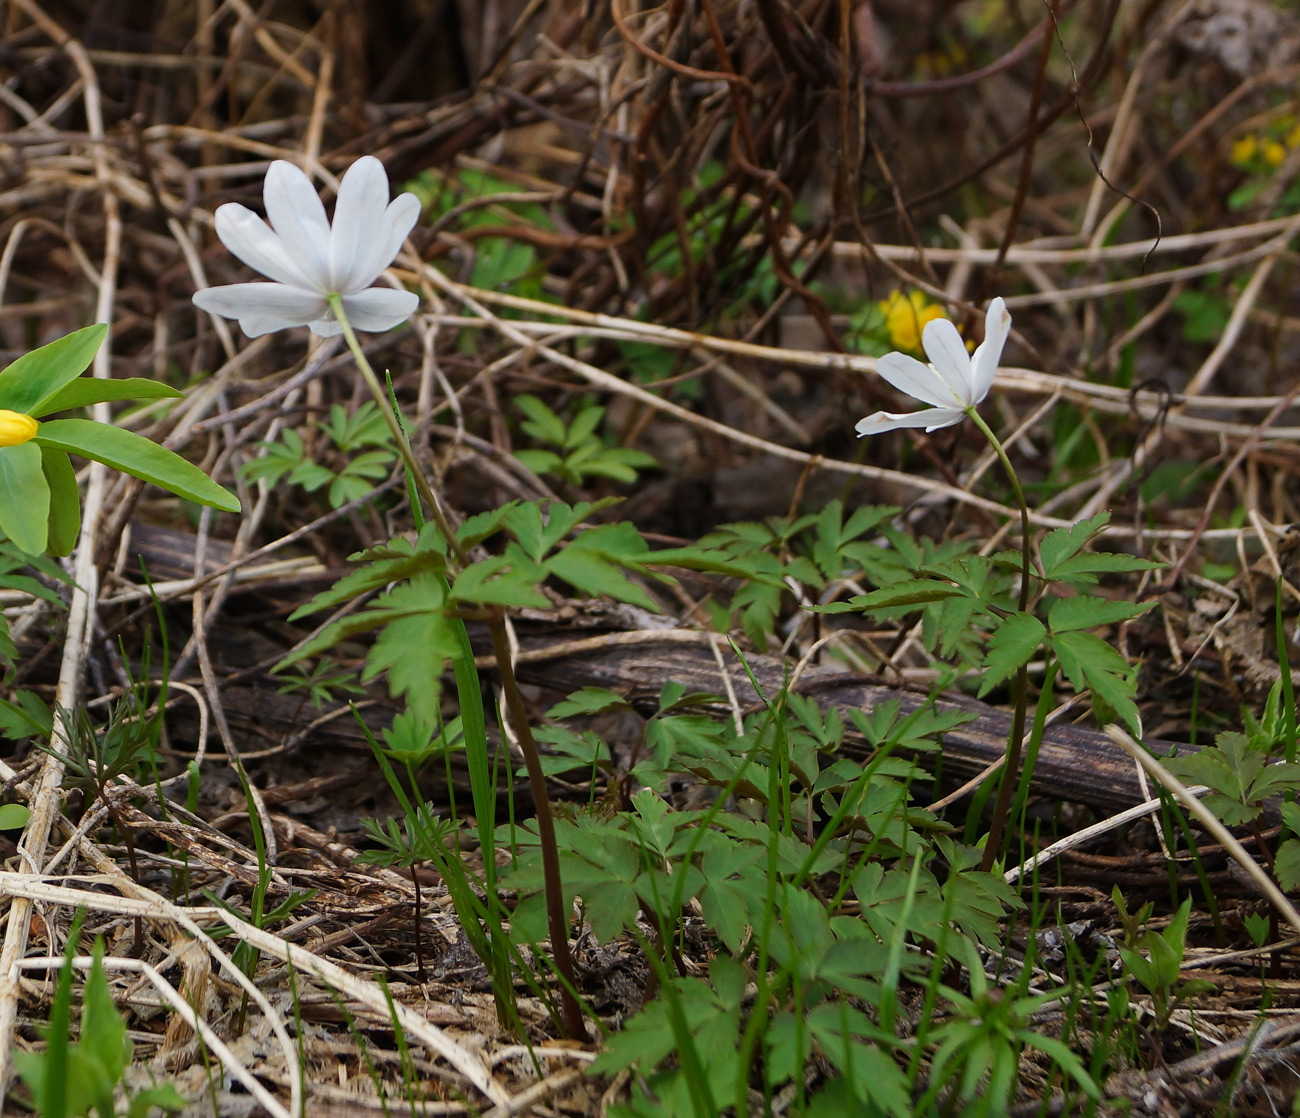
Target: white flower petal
{"x": 359, "y": 234}
{"x": 919, "y": 381}
{"x": 298, "y": 217}
{"x": 262, "y": 302}
{"x": 255, "y": 243}
{"x": 947, "y": 353}
{"x": 399, "y": 219}
{"x": 997, "y": 325}
{"x": 931, "y": 419}
{"x": 326, "y": 327}
{"x": 379, "y": 308}
{"x": 254, "y": 326}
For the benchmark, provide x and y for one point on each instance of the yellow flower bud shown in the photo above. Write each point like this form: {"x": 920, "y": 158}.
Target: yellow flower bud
{"x": 1244, "y": 149}
{"x": 16, "y": 428}
{"x": 906, "y": 316}
{"x": 1274, "y": 153}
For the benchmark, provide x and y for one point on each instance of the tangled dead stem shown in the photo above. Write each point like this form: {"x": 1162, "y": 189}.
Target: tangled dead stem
{"x": 696, "y": 198}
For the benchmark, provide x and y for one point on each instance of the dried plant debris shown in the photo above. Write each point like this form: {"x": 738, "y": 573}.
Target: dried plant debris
{"x": 542, "y": 701}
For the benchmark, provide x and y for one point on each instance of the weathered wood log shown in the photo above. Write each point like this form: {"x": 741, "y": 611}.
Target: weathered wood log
{"x": 1075, "y": 764}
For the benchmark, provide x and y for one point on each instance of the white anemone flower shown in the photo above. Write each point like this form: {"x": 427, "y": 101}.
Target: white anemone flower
{"x": 953, "y": 382}
{"x": 309, "y": 261}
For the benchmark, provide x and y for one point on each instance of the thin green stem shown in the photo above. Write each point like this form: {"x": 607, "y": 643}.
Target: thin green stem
{"x": 427, "y": 495}
{"x": 1010, "y": 776}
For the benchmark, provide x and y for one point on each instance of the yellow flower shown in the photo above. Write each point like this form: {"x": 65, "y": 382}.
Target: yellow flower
{"x": 1274, "y": 153}
{"x": 1243, "y": 149}
{"x": 16, "y": 428}
{"x": 906, "y": 316}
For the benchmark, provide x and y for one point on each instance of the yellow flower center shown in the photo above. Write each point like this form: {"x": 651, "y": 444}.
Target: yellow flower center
{"x": 16, "y": 428}
{"x": 906, "y": 316}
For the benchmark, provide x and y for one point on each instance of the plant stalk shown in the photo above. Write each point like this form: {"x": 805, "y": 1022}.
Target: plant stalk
{"x": 556, "y": 921}
{"x": 427, "y": 495}
{"x": 1020, "y": 687}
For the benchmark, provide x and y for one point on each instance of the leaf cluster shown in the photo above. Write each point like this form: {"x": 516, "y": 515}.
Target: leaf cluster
{"x": 349, "y": 435}
{"x": 40, "y": 507}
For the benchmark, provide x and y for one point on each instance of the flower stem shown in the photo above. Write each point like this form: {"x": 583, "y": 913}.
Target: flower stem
{"x": 557, "y": 925}
{"x": 1020, "y": 685}
{"x": 556, "y": 922}
{"x": 403, "y": 444}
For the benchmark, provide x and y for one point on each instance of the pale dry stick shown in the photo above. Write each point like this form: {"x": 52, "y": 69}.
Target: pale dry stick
{"x": 1046, "y": 250}
{"x": 313, "y": 367}
{"x": 1219, "y": 958}
{"x": 320, "y": 97}
{"x": 1157, "y": 279}
{"x": 1088, "y": 834}
{"x": 301, "y": 569}
{"x": 209, "y": 677}
{"x": 248, "y": 526}
{"x": 765, "y": 403}
{"x": 1134, "y": 462}
{"x": 44, "y": 803}
{"x": 531, "y": 1096}
{"x": 1208, "y": 820}
{"x": 1122, "y": 131}
{"x": 959, "y": 274}
{"x": 1142, "y": 325}
{"x": 140, "y": 901}
{"x": 370, "y": 996}
{"x": 11, "y": 250}
{"x": 596, "y": 644}
{"x": 1102, "y": 396}
{"x": 1279, "y": 77}
{"x": 183, "y": 1009}
{"x": 194, "y": 262}
{"x": 267, "y": 42}
{"x": 606, "y": 381}
{"x": 737, "y": 714}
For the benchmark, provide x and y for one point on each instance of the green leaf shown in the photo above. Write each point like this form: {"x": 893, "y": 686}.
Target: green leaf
{"x": 1287, "y": 865}
{"x": 1086, "y": 612}
{"x": 592, "y": 561}
{"x": 1061, "y": 543}
{"x": 13, "y": 817}
{"x": 40, "y": 374}
{"x": 590, "y": 700}
{"x": 135, "y": 455}
{"x": 1085, "y": 568}
{"x": 399, "y": 561}
{"x": 103, "y": 1032}
{"x": 85, "y": 391}
{"x": 542, "y": 423}
{"x": 913, "y": 592}
{"x": 24, "y": 497}
{"x": 1089, "y": 662}
{"x": 1013, "y": 645}
{"x": 65, "y": 501}
{"x": 413, "y": 650}
{"x": 26, "y": 717}
{"x": 503, "y": 580}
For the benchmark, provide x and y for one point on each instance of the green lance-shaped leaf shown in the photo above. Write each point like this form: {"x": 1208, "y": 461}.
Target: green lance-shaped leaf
{"x": 24, "y": 497}
{"x": 135, "y": 455}
{"x": 65, "y": 501}
{"x": 36, "y": 376}
{"x": 81, "y": 393}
